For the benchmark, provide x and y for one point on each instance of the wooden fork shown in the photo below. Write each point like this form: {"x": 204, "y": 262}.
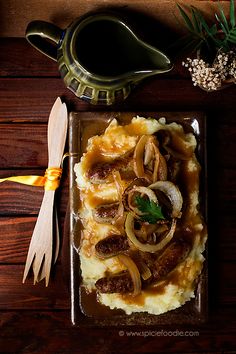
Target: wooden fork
{"x": 40, "y": 252}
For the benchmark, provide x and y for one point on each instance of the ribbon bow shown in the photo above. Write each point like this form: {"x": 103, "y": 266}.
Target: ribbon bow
{"x": 50, "y": 181}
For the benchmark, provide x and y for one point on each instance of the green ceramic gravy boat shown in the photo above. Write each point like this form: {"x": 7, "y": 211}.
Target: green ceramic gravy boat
{"x": 100, "y": 58}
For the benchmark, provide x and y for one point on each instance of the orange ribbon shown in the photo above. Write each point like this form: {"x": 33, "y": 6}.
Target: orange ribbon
{"x": 50, "y": 181}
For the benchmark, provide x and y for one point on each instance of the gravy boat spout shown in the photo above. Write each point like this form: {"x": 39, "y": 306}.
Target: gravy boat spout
{"x": 154, "y": 62}
{"x": 100, "y": 58}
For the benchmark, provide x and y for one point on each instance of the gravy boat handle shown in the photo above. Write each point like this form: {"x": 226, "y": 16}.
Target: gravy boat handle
{"x": 38, "y": 34}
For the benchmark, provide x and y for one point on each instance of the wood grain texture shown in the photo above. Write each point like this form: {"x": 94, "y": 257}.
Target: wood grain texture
{"x": 15, "y": 295}
{"x": 35, "y": 319}
{"x": 30, "y": 99}
{"x": 15, "y": 238}
{"x": 62, "y": 13}
{"x": 19, "y": 199}
{"x": 18, "y": 58}
{"x": 17, "y": 147}
{"x": 29, "y": 296}
{"x": 64, "y": 339}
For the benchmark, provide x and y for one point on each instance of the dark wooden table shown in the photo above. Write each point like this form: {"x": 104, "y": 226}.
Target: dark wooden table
{"x": 35, "y": 319}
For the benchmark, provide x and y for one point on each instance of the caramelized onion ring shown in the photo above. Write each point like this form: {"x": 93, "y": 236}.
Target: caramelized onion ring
{"x": 143, "y": 191}
{"x": 134, "y": 272}
{"x": 156, "y": 163}
{"x": 120, "y": 217}
{"x": 146, "y": 152}
{"x": 129, "y": 228}
{"x": 173, "y": 194}
{"x": 139, "y": 158}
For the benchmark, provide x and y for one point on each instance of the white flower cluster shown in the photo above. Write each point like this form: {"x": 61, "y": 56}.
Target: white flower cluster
{"x": 212, "y": 77}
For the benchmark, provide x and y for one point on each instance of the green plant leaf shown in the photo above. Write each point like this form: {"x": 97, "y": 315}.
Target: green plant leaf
{"x": 232, "y": 40}
{"x": 152, "y": 211}
{"x": 186, "y": 18}
{"x": 202, "y": 35}
{"x": 222, "y": 25}
{"x": 213, "y": 30}
{"x": 197, "y": 25}
{"x": 185, "y": 44}
{"x": 218, "y": 42}
{"x": 232, "y": 36}
{"x": 203, "y": 22}
{"x": 232, "y": 13}
{"x": 224, "y": 20}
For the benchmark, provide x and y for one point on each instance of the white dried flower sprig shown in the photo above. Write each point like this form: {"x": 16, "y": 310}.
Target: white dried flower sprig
{"x": 210, "y": 78}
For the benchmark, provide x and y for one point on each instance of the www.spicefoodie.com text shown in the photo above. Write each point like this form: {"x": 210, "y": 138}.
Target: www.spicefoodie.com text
{"x": 161, "y": 333}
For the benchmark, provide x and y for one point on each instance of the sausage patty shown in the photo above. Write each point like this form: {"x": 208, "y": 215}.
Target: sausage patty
{"x": 105, "y": 213}
{"x": 111, "y": 245}
{"x": 101, "y": 171}
{"x": 115, "y": 283}
{"x": 175, "y": 253}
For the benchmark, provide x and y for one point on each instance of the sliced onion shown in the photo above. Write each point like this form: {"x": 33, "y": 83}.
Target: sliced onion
{"x": 143, "y": 191}
{"x": 134, "y": 272}
{"x": 148, "y": 154}
{"x": 118, "y": 183}
{"x": 129, "y": 228}
{"x": 183, "y": 152}
{"x": 135, "y": 182}
{"x": 145, "y": 153}
{"x": 120, "y": 215}
{"x": 162, "y": 173}
{"x": 146, "y": 230}
{"x": 145, "y": 271}
{"x": 119, "y": 220}
{"x": 139, "y": 158}
{"x": 156, "y": 163}
{"x": 139, "y": 155}
{"x": 173, "y": 194}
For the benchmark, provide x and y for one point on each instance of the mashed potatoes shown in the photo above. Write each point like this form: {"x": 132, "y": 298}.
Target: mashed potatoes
{"x": 177, "y": 287}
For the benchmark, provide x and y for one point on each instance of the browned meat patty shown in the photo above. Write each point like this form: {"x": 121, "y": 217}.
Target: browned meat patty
{"x": 111, "y": 245}
{"x": 175, "y": 253}
{"x": 116, "y": 283}
{"x": 105, "y": 213}
{"x": 101, "y": 171}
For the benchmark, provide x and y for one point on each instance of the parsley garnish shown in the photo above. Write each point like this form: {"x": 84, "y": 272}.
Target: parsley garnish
{"x": 152, "y": 211}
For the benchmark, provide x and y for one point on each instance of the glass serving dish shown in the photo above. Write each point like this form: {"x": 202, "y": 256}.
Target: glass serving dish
{"x": 85, "y": 310}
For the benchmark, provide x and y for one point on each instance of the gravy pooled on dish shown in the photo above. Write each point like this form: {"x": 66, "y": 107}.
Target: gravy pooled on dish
{"x": 143, "y": 235}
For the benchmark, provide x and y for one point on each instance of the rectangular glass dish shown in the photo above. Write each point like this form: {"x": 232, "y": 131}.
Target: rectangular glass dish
{"x": 85, "y": 310}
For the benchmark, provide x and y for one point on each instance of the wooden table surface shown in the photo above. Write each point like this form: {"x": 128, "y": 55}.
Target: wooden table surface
{"x": 35, "y": 319}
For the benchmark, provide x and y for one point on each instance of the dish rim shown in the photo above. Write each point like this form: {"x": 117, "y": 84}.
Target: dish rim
{"x": 175, "y": 317}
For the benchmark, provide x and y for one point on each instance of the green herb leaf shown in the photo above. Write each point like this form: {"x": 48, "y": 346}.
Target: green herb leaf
{"x": 224, "y": 29}
{"x": 152, "y": 211}
{"x": 208, "y": 38}
{"x": 202, "y": 21}
{"x": 224, "y": 20}
{"x": 213, "y": 30}
{"x": 196, "y": 23}
{"x": 186, "y": 18}
{"x": 232, "y": 14}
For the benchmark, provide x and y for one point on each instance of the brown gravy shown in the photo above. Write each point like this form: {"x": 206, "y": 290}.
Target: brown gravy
{"x": 188, "y": 181}
{"x": 91, "y": 307}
